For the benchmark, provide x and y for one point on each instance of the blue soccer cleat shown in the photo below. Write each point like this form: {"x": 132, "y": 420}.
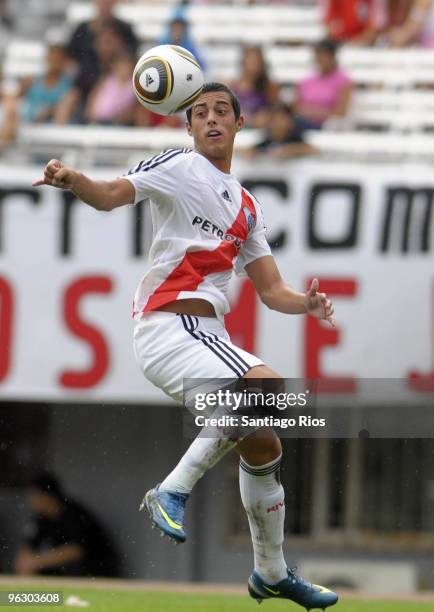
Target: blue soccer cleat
{"x": 166, "y": 510}
{"x": 294, "y": 588}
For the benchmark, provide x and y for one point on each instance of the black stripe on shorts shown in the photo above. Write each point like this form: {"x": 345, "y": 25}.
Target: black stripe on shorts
{"x": 190, "y": 325}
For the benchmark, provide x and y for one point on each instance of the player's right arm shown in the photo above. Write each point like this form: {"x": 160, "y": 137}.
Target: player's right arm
{"x": 101, "y": 195}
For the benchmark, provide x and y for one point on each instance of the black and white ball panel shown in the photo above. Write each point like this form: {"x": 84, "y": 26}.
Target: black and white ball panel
{"x": 153, "y": 80}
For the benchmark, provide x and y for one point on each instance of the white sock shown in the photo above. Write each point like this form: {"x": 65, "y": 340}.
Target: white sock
{"x": 202, "y": 455}
{"x": 264, "y": 501}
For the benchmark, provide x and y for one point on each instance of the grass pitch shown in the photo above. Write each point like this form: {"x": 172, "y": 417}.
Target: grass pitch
{"x": 140, "y": 601}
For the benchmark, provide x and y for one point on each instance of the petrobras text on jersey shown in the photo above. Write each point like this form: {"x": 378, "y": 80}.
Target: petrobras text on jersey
{"x": 208, "y": 226}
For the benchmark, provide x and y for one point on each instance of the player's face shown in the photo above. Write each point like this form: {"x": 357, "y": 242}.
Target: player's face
{"x": 213, "y": 124}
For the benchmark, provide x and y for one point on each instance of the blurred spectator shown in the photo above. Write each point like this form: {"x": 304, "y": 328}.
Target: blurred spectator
{"x": 40, "y": 102}
{"x": 325, "y": 95}
{"x": 178, "y": 34}
{"x": 284, "y": 138}
{"x": 255, "y": 90}
{"x": 355, "y": 21}
{"x": 82, "y": 46}
{"x": 4, "y": 13}
{"x": 109, "y": 45}
{"x": 66, "y": 540}
{"x": 409, "y": 22}
{"x": 6, "y": 25}
{"x": 8, "y": 118}
{"x": 146, "y": 118}
{"x": 5, "y": 16}
{"x": 112, "y": 100}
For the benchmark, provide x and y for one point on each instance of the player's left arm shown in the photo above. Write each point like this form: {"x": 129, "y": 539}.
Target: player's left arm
{"x": 278, "y": 295}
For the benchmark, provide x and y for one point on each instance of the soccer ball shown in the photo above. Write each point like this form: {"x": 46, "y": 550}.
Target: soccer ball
{"x": 167, "y": 79}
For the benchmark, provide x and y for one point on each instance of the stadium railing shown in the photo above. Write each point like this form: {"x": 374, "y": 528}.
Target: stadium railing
{"x": 86, "y": 145}
{"x": 369, "y": 145}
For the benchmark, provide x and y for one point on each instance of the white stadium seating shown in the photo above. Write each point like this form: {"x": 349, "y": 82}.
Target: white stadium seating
{"x": 85, "y": 145}
{"x": 371, "y": 145}
{"x": 218, "y": 23}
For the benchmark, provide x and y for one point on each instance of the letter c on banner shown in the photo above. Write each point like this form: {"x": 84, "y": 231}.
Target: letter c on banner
{"x": 6, "y": 318}
{"x": 84, "y": 379}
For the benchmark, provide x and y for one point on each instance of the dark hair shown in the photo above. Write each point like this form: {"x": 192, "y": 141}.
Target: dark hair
{"x": 282, "y": 107}
{"x": 47, "y": 483}
{"x": 328, "y": 45}
{"x": 262, "y": 81}
{"x": 178, "y": 19}
{"x": 208, "y": 87}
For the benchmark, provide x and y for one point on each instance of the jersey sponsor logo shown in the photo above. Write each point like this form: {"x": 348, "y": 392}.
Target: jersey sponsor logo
{"x": 226, "y": 196}
{"x": 211, "y": 228}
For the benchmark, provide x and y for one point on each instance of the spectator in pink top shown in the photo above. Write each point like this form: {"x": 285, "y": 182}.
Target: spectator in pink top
{"x": 326, "y": 94}
{"x": 112, "y": 100}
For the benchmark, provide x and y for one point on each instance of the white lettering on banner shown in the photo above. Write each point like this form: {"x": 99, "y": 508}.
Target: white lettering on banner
{"x": 68, "y": 274}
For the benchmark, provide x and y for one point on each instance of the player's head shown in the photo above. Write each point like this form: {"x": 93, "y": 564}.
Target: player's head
{"x": 214, "y": 119}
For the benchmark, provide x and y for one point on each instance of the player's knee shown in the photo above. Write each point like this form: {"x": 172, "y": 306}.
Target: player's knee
{"x": 264, "y": 379}
{"x": 271, "y": 450}
{"x": 261, "y": 447}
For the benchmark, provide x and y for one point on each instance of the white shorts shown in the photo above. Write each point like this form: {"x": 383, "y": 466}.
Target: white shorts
{"x": 171, "y": 347}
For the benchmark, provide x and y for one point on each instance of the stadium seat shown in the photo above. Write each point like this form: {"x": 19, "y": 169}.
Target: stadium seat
{"x": 369, "y": 145}
{"x": 23, "y": 58}
{"x": 218, "y": 23}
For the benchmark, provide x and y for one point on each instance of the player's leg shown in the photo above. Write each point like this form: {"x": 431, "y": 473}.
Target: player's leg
{"x": 262, "y": 494}
{"x": 194, "y": 348}
{"x": 166, "y": 502}
{"x": 263, "y": 498}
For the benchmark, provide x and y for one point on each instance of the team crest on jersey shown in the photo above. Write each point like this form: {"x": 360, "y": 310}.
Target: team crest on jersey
{"x": 251, "y": 221}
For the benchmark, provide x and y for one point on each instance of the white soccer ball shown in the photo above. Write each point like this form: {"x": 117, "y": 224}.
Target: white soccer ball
{"x": 167, "y": 79}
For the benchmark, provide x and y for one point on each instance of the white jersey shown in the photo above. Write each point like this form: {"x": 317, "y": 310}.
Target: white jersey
{"x": 205, "y": 224}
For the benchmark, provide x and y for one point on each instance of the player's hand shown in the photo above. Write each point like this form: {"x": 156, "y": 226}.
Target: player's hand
{"x": 58, "y": 175}
{"x": 318, "y": 305}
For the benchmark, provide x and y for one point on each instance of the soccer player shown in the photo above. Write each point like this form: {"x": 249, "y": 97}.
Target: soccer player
{"x": 205, "y": 224}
